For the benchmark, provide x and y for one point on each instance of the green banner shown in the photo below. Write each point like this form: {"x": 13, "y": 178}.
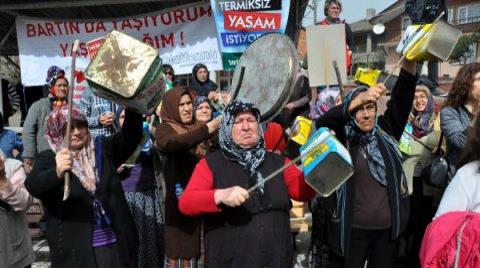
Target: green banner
{"x": 230, "y": 60}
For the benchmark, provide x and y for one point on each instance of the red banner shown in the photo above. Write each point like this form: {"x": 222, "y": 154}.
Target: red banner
{"x": 252, "y": 21}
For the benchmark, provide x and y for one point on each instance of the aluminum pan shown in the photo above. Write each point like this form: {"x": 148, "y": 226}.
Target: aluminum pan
{"x": 270, "y": 65}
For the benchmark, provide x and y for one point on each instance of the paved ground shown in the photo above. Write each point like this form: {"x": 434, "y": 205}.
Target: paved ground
{"x": 43, "y": 256}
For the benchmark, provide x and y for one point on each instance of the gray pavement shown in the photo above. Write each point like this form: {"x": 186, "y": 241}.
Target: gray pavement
{"x": 42, "y": 253}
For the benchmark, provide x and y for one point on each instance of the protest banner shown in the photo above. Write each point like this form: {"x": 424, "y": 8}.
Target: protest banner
{"x": 322, "y": 49}
{"x": 240, "y": 22}
{"x": 184, "y": 36}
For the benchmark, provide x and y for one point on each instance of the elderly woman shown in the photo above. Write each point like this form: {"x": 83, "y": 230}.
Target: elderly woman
{"x": 34, "y": 127}
{"x": 257, "y": 223}
{"x": 202, "y": 109}
{"x": 177, "y": 140}
{"x": 457, "y": 115}
{"x": 372, "y": 206}
{"x": 93, "y": 227}
{"x": 15, "y": 243}
{"x": 201, "y": 84}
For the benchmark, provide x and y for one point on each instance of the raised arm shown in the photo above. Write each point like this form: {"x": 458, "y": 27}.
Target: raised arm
{"x": 335, "y": 119}
{"x": 168, "y": 141}
{"x": 128, "y": 139}
{"x": 400, "y": 104}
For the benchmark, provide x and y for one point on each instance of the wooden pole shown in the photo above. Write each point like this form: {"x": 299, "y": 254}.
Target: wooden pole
{"x": 66, "y": 188}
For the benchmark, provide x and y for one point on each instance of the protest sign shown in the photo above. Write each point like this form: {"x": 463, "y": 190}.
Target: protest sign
{"x": 322, "y": 49}
{"x": 240, "y": 22}
{"x": 184, "y": 36}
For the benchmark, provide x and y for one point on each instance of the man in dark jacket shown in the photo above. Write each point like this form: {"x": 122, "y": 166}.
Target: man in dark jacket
{"x": 371, "y": 209}
{"x": 421, "y": 12}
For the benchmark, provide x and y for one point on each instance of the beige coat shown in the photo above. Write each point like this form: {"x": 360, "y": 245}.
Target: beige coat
{"x": 421, "y": 156}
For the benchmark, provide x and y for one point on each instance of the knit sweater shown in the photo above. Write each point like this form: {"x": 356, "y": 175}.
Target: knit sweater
{"x": 33, "y": 134}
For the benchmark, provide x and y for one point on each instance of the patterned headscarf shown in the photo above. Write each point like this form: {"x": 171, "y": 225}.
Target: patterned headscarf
{"x": 250, "y": 159}
{"x": 369, "y": 141}
{"x": 326, "y": 99}
{"x": 422, "y": 122}
{"x": 84, "y": 159}
{"x": 199, "y": 100}
{"x": 52, "y": 74}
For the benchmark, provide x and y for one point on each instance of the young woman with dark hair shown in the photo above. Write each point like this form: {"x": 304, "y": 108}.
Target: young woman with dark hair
{"x": 462, "y": 104}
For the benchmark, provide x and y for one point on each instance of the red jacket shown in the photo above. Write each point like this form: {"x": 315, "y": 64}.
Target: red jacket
{"x": 198, "y": 197}
{"x": 444, "y": 234}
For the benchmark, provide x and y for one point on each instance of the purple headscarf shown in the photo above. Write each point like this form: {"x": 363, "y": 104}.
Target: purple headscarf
{"x": 326, "y": 99}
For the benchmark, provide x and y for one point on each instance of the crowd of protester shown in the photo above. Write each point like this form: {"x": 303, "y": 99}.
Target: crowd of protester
{"x": 173, "y": 192}
{"x": 173, "y": 188}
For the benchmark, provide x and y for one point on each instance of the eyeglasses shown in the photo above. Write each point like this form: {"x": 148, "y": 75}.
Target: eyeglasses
{"x": 169, "y": 73}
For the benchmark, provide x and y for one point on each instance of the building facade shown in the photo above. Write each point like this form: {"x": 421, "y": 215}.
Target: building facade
{"x": 464, "y": 14}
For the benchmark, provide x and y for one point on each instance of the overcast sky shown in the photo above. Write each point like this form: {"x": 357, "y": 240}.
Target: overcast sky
{"x": 353, "y": 10}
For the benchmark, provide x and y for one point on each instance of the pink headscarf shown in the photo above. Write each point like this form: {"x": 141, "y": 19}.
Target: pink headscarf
{"x": 84, "y": 159}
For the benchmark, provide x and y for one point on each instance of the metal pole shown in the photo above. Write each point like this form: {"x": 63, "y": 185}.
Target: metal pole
{"x": 296, "y": 159}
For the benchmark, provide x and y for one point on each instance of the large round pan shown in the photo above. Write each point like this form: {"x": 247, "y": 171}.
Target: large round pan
{"x": 269, "y": 66}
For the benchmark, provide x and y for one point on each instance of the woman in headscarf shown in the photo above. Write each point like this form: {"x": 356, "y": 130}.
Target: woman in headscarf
{"x": 34, "y": 127}
{"x": 370, "y": 210}
{"x": 143, "y": 197}
{"x": 419, "y": 132}
{"x": 93, "y": 227}
{"x": 177, "y": 138}
{"x": 256, "y": 223}
{"x": 203, "y": 111}
{"x": 201, "y": 83}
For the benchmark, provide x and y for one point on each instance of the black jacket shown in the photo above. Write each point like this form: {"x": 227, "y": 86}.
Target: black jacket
{"x": 259, "y": 229}
{"x": 417, "y": 10}
{"x": 392, "y": 122}
{"x": 70, "y": 222}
